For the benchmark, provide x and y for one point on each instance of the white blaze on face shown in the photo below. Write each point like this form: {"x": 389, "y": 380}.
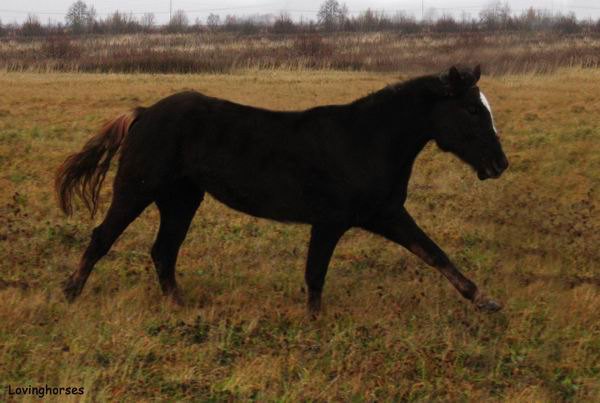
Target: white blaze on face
{"x": 485, "y": 102}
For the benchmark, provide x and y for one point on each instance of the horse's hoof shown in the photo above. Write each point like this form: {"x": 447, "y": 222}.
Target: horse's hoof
{"x": 172, "y": 294}
{"x": 314, "y": 309}
{"x": 313, "y": 315}
{"x": 175, "y": 298}
{"x": 486, "y": 304}
{"x": 71, "y": 289}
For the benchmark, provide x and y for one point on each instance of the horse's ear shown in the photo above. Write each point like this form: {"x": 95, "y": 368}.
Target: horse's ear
{"x": 477, "y": 72}
{"x": 454, "y": 76}
{"x": 447, "y": 82}
{"x": 450, "y": 83}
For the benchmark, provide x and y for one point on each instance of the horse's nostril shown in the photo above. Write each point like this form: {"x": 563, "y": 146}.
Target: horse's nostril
{"x": 497, "y": 167}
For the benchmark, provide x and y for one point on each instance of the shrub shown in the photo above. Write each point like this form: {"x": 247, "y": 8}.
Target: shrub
{"x": 60, "y": 47}
{"x": 312, "y": 45}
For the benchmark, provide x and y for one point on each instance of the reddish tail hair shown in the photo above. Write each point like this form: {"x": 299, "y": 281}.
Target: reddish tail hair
{"x": 82, "y": 173}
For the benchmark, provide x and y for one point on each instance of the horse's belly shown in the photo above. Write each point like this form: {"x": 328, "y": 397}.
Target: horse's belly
{"x": 275, "y": 202}
{"x": 282, "y": 194}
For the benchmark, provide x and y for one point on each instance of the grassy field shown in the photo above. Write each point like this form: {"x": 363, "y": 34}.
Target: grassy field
{"x": 530, "y": 239}
{"x": 503, "y": 52}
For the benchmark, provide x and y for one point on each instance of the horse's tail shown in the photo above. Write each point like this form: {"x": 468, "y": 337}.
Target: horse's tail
{"x": 82, "y": 173}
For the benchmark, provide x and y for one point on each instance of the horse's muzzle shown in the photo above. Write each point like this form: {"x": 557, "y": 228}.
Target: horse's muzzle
{"x": 493, "y": 169}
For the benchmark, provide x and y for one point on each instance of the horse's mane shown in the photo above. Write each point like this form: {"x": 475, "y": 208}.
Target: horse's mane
{"x": 423, "y": 86}
{"x": 428, "y": 86}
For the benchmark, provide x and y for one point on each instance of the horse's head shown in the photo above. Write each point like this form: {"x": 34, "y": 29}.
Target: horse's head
{"x": 463, "y": 123}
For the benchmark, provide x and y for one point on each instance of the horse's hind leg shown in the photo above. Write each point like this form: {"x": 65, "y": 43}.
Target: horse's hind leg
{"x": 125, "y": 207}
{"x": 177, "y": 207}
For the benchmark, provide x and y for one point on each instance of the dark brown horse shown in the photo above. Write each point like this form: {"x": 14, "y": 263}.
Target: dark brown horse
{"x": 333, "y": 167}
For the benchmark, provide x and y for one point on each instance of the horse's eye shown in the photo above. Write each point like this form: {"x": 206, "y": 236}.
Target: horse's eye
{"x": 472, "y": 110}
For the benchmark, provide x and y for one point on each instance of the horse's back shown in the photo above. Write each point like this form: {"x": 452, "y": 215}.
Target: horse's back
{"x": 278, "y": 165}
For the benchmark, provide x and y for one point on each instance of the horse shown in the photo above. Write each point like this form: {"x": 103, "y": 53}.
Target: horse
{"x": 334, "y": 167}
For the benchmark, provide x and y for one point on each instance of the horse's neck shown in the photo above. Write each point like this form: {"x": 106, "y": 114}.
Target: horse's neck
{"x": 399, "y": 119}
{"x": 409, "y": 149}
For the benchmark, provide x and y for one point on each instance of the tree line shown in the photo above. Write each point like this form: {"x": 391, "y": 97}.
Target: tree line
{"x": 332, "y": 16}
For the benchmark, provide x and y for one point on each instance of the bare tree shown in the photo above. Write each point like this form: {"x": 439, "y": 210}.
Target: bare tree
{"x": 231, "y": 21}
{"x": 120, "y": 23}
{"x": 213, "y": 21}
{"x": 32, "y": 26}
{"x": 596, "y": 26}
{"x": 179, "y": 22}
{"x": 342, "y": 16}
{"x": 283, "y": 24}
{"x": 430, "y": 16}
{"x": 406, "y": 23}
{"x": 567, "y": 24}
{"x": 332, "y": 15}
{"x": 371, "y": 20}
{"x": 495, "y": 16}
{"x": 90, "y": 19}
{"x": 446, "y": 23}
{"x": 147, "y": 21}
{"x": 80, "y": 17}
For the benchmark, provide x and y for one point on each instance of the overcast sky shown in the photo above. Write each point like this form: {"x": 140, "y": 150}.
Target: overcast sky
{"x": 16, "y": 11}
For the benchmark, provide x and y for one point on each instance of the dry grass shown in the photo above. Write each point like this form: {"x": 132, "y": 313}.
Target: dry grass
{"x": 393, "y": 330}
{"x": 501, "y": 53}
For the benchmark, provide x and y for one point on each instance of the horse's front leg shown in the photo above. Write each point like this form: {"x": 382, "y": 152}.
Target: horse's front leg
{"x": 323, "y": 239}
{"x": 400, "y": 227}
